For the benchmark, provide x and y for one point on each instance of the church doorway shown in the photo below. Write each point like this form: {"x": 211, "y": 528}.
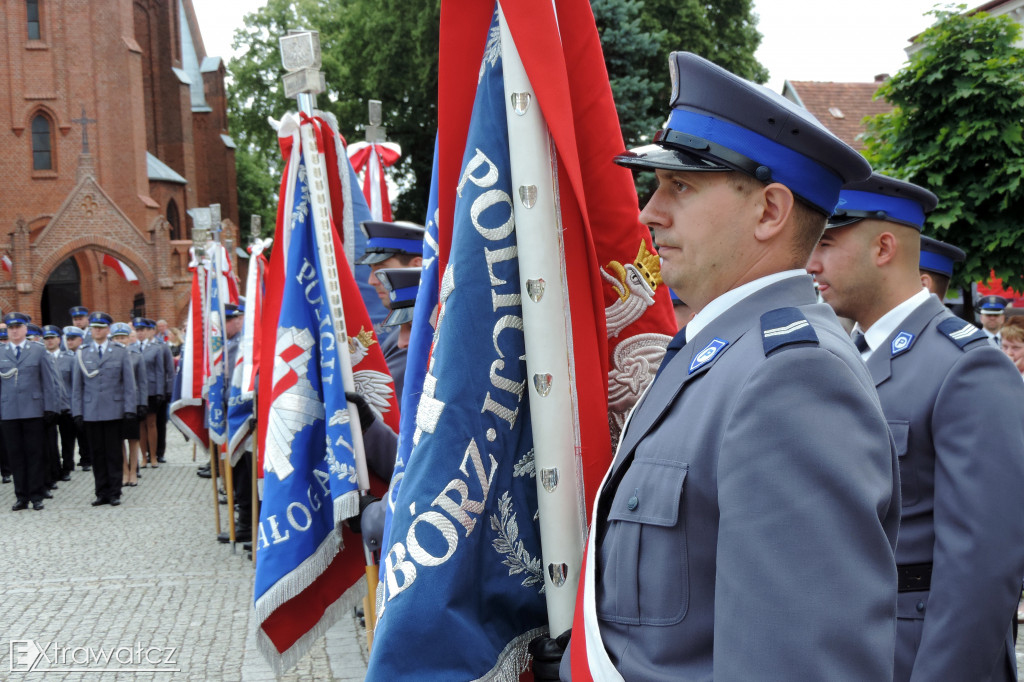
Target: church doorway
{"x": 62, "y": 291}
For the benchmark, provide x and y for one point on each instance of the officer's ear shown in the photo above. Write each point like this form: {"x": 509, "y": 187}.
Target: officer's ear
{"x": 885, "y": 247}
{"x": 926, "y": 281}
{"x": 775, "y": 211}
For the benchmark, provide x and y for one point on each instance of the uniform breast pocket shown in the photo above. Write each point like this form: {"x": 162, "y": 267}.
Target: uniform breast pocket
{"x": 647, "y": 566}
{"x": 900, "y": 430}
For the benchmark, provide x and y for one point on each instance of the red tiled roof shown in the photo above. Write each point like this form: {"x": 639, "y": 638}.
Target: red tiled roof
{"x": 841, "y": 107}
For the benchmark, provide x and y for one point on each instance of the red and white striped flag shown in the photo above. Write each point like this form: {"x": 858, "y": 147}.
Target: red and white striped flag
{"x": 187, "y": 411}
{"x": 371, "y": 158}
{"x": 6, "y": 263}
{"x": 120, "y": 268}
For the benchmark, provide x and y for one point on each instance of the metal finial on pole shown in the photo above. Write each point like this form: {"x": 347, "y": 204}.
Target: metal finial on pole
{"x": 201, "y": 223}
{"x": 215, "y": 226}
{"x": 375, "y": 132}
{"x": 255, "y": 227}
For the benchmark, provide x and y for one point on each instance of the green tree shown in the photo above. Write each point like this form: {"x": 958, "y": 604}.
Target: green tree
{"x": 370, "y": 50}
{"x": 957, "y": 130}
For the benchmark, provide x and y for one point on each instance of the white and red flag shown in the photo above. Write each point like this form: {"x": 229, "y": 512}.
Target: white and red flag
{"x": 371, "y": 158}
{"x": 187, "y": 411}
{"x": 120, "y": 267}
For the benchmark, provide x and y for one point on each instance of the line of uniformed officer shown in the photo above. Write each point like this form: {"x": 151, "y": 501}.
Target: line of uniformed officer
{"x": 953, "y": 405}
{"x": 30, "y": 398}
{"x": 159, "y": 364}
{"x": 60, "y": 436}
{"x": 103, "y": 397}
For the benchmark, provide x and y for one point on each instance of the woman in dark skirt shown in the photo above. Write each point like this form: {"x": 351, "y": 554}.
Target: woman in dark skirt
{"x": 123, "y": 333}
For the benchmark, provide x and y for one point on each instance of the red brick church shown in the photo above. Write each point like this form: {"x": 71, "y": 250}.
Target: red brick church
{"x": 113, "y": 125}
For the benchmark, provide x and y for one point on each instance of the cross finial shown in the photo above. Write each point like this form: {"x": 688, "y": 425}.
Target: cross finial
{"x": 84, "y": 121}
{"x": 375, "y": 132}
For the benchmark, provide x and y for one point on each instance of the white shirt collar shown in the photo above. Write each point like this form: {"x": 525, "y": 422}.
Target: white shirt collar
{"x": 991, "y": 335}
{"x": 887, "y": 324}
{"x": 730, "y": 298}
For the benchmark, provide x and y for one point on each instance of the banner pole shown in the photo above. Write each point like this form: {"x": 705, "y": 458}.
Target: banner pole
{"x": 546, "y": 329}
{"x": 309, "y": 83}
{"x": 214, "y": 471}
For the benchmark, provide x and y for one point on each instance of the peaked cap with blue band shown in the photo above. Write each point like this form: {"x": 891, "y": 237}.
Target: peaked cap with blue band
{"x": 120, "y": 329}
{"x": 34, "y": 329}
{"x": 987, "y": 305}
{"x": 384, "y": 240}
{"x": 721, "y": 122}
{"x": 71, "y": 330}
{"x": 883, "y": 198}
{"x": 16, "y": 318}
{"x": 402, "y": 285}
{"x": 52, "y": 331}
{"x": 100, "y": 319}
{"x": 79, "y": 311}
{"x": 939, "y": 257}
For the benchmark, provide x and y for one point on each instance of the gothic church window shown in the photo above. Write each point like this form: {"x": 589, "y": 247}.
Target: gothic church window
{"x": 42, "y": 154}
{"x": 174, "y": 219}
{"x": 33, "y": 19}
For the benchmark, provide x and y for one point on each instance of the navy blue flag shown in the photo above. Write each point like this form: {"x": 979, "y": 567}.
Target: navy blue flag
{"x": 464, "y": 545}
{"x": 418, "y": 354}
{"x": 310, "y": 481}
{"x": 216, "y": 384}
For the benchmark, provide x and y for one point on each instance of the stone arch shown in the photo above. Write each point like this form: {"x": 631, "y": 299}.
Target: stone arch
{"x": 136, "y": 262}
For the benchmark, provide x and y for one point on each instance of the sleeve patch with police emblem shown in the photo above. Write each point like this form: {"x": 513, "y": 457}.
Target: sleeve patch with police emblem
{"x": 959, "y": 332}
{"x": 785, "y": 327}
{"x": 902, "y": 343}
{"x": 707, "y": 354}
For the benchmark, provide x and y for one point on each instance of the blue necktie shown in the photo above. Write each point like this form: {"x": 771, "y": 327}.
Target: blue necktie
{"x": 17, "y": 352}
{"x": 860, "y": 342}
{"x": 674, "y": 346}
{"x": 101, "y": 352}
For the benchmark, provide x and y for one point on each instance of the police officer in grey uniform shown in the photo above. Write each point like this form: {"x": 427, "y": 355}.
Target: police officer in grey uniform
{"x": 155, "y": 358}
{"x": 163, "y": 400}
{"x": 69, "y": 434}
{"x": 992, "y": 312}
{"x": 750, "y": 513}
{"x": 103, "y": 396}
{"x": 241, "y": 472}
{"x": 61, "y": 435}
{"x": 5, "y": 463}
{"x": 953, "y": 404}
{"x": 30, "y": 399}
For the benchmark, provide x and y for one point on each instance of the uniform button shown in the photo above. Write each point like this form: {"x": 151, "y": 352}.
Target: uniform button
{"x": 633, "y": 502}
{"x": 920, "y": 606}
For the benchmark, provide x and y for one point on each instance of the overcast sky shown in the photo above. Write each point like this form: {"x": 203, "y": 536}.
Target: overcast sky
{"x": 827, "y": 40}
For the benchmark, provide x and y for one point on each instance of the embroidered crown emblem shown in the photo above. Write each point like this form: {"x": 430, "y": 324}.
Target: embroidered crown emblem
{"x": 649, "y": 265}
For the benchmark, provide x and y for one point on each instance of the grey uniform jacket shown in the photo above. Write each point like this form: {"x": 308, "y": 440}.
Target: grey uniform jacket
{"x": 748, "y": 525}
{"x": 169, "y": 369}
{"x": 156, "y": 369}
{"x": 139, "y": 371}
{"x": 29, "y": 386}
{"x": 103, "y": 390}
{"x": 64, "y": 363}
{"x": 954, "y": 407}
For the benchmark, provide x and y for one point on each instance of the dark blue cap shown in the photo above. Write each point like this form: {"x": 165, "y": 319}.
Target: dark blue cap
{"x": 402, "y": 285}
{"x": 721, "y": 122}
{"x": 72, "y": 330}
{"x": 3, "y": 334}
{"x": 140, "y": 323}
{"x": 99, "y": 319}
{"x": 883, "y": 198}
{"x": 991, "y": 305}
{"x": 78, "y": 311}
{"x": 939, "y": 257}
{"x": 120, "y": 329}
{"x": 34, "y": 330}
{"x": 17, "y": 318}
{"x": 232, "y": 310}
{"x": 384, "y": 240}
{"x": 52, "y": 331}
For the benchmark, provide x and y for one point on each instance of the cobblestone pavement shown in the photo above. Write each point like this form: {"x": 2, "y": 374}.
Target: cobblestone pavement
{"x": 149, "y": 573}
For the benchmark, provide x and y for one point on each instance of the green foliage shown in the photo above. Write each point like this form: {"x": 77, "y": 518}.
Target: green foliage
{"x": 382, "y": 50}
{"x": 957, "y": 130}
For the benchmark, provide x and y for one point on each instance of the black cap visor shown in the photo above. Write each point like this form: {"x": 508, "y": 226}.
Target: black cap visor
{"x": 398, "y": 316}
{"x": 374, "y": 257}
{"x": 842, "y": 218}
{"x": 655, "y": 156}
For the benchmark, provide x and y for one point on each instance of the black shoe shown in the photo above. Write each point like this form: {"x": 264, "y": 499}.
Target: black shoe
{"x": 38, "y": 506}
{"x": 86, "y": 467}
{"x": 7, "y": 479}
{"x": 222, "y": 499}
{"x": 66, "y": 477}
{"x": 47, "y": 495}
{"x": 51, "y": 486}
{"x": 114, "y": 502}
{"x": 247, "y": 546}
{"x": 203, "y": 473}
{"x": 161, "y": 460}
{"x": 241, "y": 535}
{"x": 19, "y": 505}
{"x": 100, "y": 500}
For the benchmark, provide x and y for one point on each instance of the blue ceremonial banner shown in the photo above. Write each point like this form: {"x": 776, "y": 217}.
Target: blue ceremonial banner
{"x": 420, "y": 340}
{"x": 310, "y": 481}
{"x": 463, "y": 561}
{"x": 216, "y": 386}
